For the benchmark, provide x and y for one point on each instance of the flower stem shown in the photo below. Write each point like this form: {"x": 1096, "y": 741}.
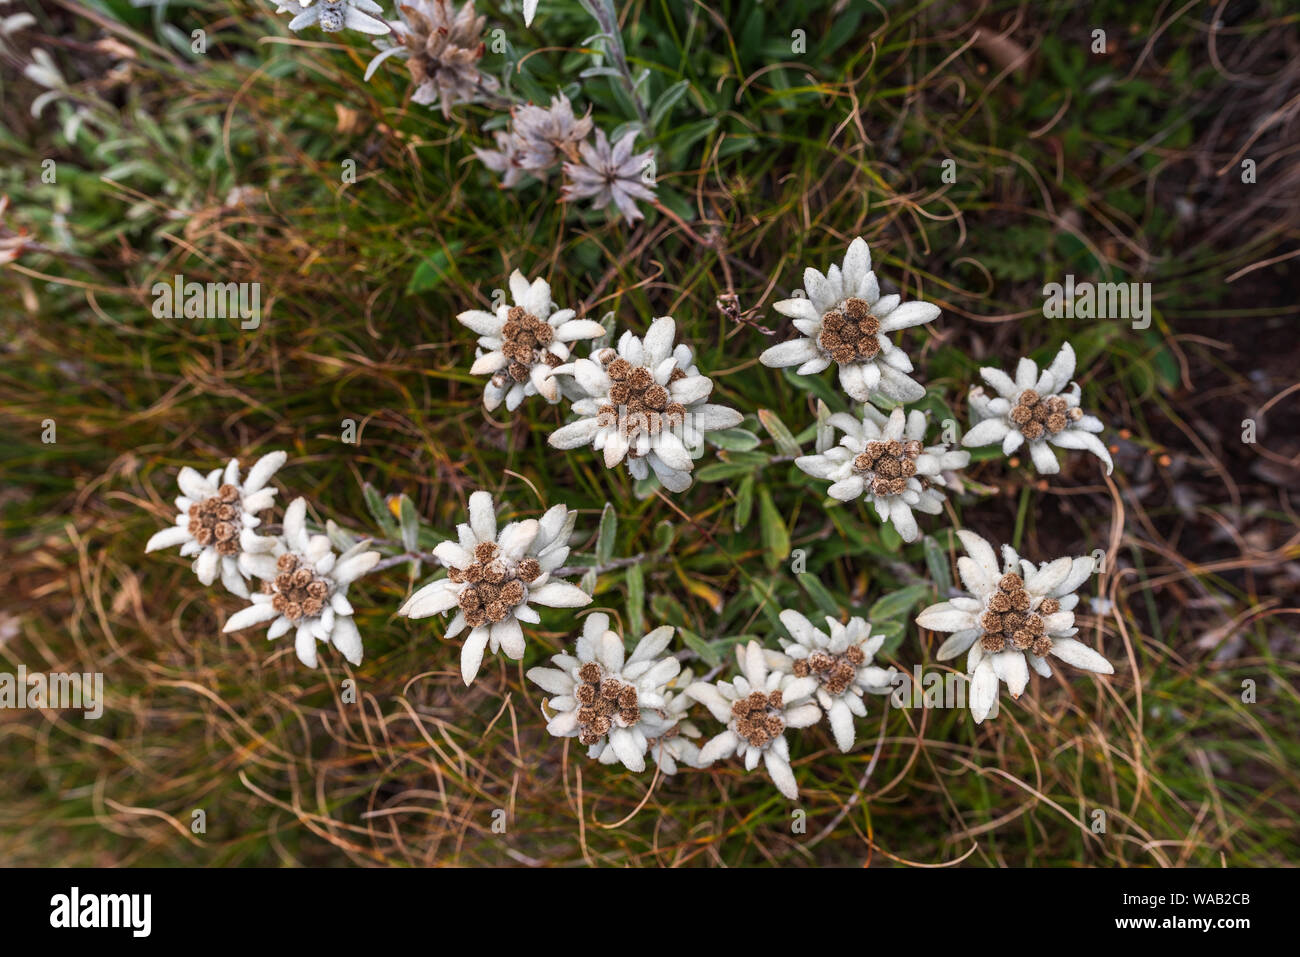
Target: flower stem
{"x": 607, "y": 19}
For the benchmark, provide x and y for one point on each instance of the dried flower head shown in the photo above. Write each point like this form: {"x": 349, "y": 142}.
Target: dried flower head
{"x": 606, "y": 173}
{"x": 522, "y": 345}
{"x": 307, "y": 590}
{"x": 442, "y": 48}
{"x": 841, "y": 661}
{"x": 606, "y": 701}
{"x": 493, "y": 579}
{"x": 645, "y": 402}
{"x": 547, "y": 136}
{"x": 884, "y": 460}
{"x": 504, "y": 160}
{"x": 216, "y": 515}
{"x": 539, "y": 139}
{"x": 844, "y": 319}
{"x": 1019, "y": 614}
{"x": 1038, "y": 408}
{"x": 334, "y": 16}
{"x": 757, "y": 706}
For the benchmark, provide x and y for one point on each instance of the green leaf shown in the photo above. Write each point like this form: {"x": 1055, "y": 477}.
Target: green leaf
{"x": 785, "y": 443}
{"x": 766, "y": 599}
{"x": 818, "y": 593}
{"x": 889, "y": 538}
{"x": 608, "y": 533}
{"x": 744, "y": 503}
{"x": 898, "y": 603}
{"x": 893, "y": 632}
{"x": 635, "y": 580}
{"x": 667, "y": 610}
{"x": 721, "y": 471}
{"x": 776, "y": 537}
{"x": 739, "y": 440}
{"x": 433, "y": 269}
{"x": 664, "y": 535}
{"x": 936, "y": 560}
{"x": 681, "y": 139}
{"x": 667, "y": 100}
{"x": 707, "y": 652}
{"x": 753, "y": 459}
{"x": 379, "y": 511}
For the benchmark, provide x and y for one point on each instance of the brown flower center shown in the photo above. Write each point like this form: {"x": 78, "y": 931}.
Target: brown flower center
{"x": 1036, "y": 416}
{"x": 835, "y": 672}
{"x": 849, "y": 333}
{"x": 492, "y": 588}
{"x": 889, "y": 465}
{"x": 297, "y": 591}
{"x": 215, "y": 521}
{"x": 759, "y": 718}
{"x": 602, "y": 701}
{"x": 1008, "y": 619}
{"x": 646, "y": 406}
{"x": 526, "y": 343}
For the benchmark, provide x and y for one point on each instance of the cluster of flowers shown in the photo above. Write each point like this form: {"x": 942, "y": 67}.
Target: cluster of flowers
{"x": 304, "y": 583}
{"x": 442, "y": 46}
{"x": 844, "y": 319}
{"x": 541, "y": 138}
{"x": 644, "y": 402}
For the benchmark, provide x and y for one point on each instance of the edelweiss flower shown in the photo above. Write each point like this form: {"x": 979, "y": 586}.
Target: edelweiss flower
{"x": 217, "y": 515}
{"x": 307, "y": 589}
{"x": 841, "y": 663}
{"x": 522, "y": 345}
{"x": 1036, "y": 407}
{"x": 757, "y": 706}
{"x": 606, "y": 173}
{"x": 491, "y": 579}
{"x": 442, "y": 48}
{"x": 844, "y": 319}
{"x": 606, "y": 702}
{"x": 1017, "y": 613}
{"x": 504, "y": 160}
{"x": 333, "y": 16}
{"x": 670, "y": 732}
{"x": 645, "y": 401}
{"x": 538, "y": 140}
{"x": 545, "y": 136}
{"x": 884, "y": 459}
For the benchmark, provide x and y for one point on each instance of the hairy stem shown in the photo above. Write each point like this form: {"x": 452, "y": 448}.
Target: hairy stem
{"x": 606, "y": 18}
